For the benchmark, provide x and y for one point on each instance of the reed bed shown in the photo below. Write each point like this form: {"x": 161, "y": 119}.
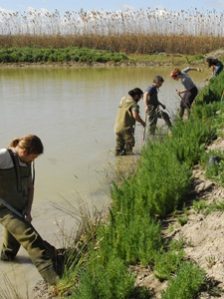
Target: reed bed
{"x": 38, "y": 22}
{"x": 129, "y": 31}
{"x": 127, "y": 43}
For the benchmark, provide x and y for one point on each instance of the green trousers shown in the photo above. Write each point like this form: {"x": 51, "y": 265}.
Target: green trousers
{"x": 125, "y": 141}
{"x": 20, "y": 232}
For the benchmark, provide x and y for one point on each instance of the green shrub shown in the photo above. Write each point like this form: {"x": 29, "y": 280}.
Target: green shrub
{"x": 186, "y": 284}
{"x": 134, "y": 240}
{"x": 109, "y": 280}
{"x": 212, "y": 92}
{"x": 32, "y": 54}
{"x": 167, "y": 263}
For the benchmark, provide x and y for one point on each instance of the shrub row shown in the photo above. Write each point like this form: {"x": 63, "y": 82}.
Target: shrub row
{"x": 71, "y": 54}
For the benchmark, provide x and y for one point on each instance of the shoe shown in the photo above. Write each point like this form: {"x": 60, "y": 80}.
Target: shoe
{"x": 120, "y": 153}
{"x": 59, "y": 261}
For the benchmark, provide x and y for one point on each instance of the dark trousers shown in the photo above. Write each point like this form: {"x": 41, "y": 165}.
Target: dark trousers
{"x": 154, "y": 115}
{"x": 187, "y": 100}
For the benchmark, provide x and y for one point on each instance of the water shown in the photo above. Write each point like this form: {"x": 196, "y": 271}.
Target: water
{"x": 73, "y": 112}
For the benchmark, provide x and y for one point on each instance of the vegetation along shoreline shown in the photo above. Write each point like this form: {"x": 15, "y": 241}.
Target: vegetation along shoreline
{"x": 107, "y": 255}
{"x": 85, "y": 57}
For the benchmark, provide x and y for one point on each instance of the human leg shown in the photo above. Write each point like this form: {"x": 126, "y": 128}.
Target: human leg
{"x": 120, "y": 144}
{"x": 152, "y": 121}
{"x": 27, "y": 236}
{"x": 192, "y": 96}
{"x": 10, "y": 247}
{"x": 129, "y": 141}
{"x": 183, "y": 106}
{"x": 189, "y": 99}
{"x": 166, "y": 118}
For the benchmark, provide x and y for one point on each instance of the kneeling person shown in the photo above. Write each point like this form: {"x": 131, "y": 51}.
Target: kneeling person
{"x": 16, "y": 198}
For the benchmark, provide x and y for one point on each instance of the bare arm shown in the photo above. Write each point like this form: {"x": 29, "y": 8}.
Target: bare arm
{"x": 138, "y": 118}
{"x": 188, "y": 69}
{"x": 161, "y": 104}
{"x": 146, "y": 100}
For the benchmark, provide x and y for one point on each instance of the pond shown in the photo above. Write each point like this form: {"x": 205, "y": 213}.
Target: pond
{"x": 72, "y": 111}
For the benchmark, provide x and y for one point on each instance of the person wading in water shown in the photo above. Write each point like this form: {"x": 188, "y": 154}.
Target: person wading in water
{"x": 190, "y": 91}
{"x": 152, "y": 105}
{"x": 127, "y": 115}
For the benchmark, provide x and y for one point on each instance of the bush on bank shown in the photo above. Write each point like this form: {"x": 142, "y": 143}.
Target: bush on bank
{"x": 89, "y": 55}
{"x": 132, "y": 234}
{"x": 70, "y": 54}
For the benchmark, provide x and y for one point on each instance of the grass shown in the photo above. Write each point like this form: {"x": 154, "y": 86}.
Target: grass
{"x": 36, "y": 54}
{"x": 132, "y": 234}
{"x": 164, "y": 58}
{"x": 205, "y": 208}
{"x": 133, "y": 48}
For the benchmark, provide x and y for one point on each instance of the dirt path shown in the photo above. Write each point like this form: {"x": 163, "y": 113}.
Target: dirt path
{"x": 204, "y": 232}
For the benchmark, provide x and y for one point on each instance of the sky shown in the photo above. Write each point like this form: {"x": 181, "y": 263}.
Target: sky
{"x": 22, "y": 5}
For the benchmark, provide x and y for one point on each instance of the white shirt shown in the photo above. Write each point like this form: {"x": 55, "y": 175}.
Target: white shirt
{"x": 6, "y": 160}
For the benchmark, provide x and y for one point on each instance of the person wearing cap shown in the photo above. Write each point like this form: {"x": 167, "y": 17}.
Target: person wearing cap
{"x": 215, "y": 64}
{"x": 190, "y": 91}
{"x": 152, "y": 105}
{"x": 127, "y": 115}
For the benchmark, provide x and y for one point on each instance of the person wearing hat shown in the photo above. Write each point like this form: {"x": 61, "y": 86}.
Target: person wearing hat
{"x": 215, "y": 64}
{"x": 152, "y": 105}
{"x": 190, "y": 91}
{"x": 127, "y": 115}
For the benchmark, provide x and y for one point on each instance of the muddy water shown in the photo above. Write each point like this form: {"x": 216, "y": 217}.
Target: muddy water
{"x": 73, "y": 112}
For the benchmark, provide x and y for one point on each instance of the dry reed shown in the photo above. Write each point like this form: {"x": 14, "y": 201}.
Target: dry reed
{"x": 130, "y": 31}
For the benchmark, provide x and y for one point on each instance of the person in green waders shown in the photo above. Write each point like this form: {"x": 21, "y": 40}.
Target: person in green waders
{"x": 127, "y": 115}
{"x": 16, "y": 198}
